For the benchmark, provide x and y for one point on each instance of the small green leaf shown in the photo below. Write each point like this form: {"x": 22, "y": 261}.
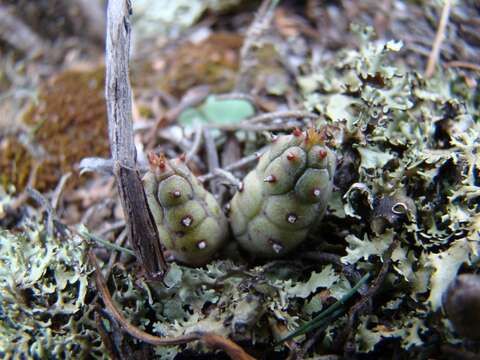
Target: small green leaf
{"x": 216, "y": 111}
{"x": 226, "y": 111}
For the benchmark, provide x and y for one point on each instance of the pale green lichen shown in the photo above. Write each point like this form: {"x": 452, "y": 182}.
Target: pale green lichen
{"x": 409, "y": 141}
{"x": 44, "y": 312}
{"x": 415, "y": 140}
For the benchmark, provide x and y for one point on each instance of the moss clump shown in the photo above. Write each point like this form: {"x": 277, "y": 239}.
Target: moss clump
{"x": 213, "y": 62}
{"x": 69, "y": 122}
{"x": 15, "y": 163}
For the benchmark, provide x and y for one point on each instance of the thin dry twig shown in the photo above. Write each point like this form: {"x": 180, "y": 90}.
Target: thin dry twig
{"x": 257, "y": 29}
{"x": 114, "y": 254}
{"x": 227, "y": 175}
{"x": 197, "y": 142}
{"x": 210, "y": 339}
{"x": 213, "y": 161}
{"x": 57, "y": 194}
{"x": 245, "y": 126}
{"x": 106, "y": 339}
{"x": 117, "y": 225}
{"x": 439, "y": 37}
{"x": 118, "y": 316}
{"x": 192, "y": 98}
{"x": 236, "y": 165}
{"x": 45, "y": 204}
{"x": 19, "y": 35}
{"x": 294, "y": 114}
{"x": 464, "y": 65}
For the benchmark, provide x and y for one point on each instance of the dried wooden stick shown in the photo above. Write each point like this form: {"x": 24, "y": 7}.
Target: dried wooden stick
{"x": 143, "y": 233}
{"x": 257, "y": 29}
{"x": 464, "y": 65}
{"x": 439, "y": 37}
{"x": 236, "y": 165}
{"x": 297, "y": 114}
{"x": 19, "y": 35}
{"x": 212, "y": 340}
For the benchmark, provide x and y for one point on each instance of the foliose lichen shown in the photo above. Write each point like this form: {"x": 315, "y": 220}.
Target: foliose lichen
{"x": 44, "y": 292}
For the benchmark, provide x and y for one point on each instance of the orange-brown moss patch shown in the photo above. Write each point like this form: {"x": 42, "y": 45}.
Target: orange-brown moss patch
{"x": 15, "y": 163}
{"x": 213, "y": 62}
{"x": 69, "y": 122}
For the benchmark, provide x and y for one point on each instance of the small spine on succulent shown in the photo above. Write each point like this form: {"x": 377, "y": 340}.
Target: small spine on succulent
{"x": 190, "y": 223}
{"x": 286, "y": 194}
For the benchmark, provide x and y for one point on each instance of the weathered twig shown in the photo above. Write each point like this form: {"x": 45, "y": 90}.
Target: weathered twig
{"x": 43, "y": 202}
{"x": 113, "y": 256}
{"x": 213, "y": 161}
{"x": 197, "y": 141}
{"x": 227, "y": 175}
{"x": 245, "y": 126}
{"x": 257, "y": 29}
{"x": 57, "y": 194}
{"x": 192, "y": 98}
{"x": 236, "y": 165}
{"x": 439, "y": 37}
{"x": 142, "y": 230}
{"x": 210, "y": 339}
{"x": 19, "y": 35}
{"x": 294, "y": 114}
{"x": 464, "y": 65}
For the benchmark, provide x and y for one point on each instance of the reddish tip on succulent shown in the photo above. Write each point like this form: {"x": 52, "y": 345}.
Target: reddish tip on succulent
{"x": 297, "y": 132}
{"x": 176, "y": 193}
{"x": 156, "y": 160}
{"x": 183, "y": 157}
{"x": 270, "y": 179}
{"x": 291, "y": 157}
{"x": 322, "y": 154}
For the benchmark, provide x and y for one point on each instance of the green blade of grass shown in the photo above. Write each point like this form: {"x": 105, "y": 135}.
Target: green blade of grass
{"x": 328, "y": 314}
{"x": 107, "y": 244}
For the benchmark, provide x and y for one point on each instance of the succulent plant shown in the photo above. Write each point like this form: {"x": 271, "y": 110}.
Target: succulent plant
{"x": 189, "y": 220}
{"x": 285, "y": 195}
{"x": 461, "y": 302}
